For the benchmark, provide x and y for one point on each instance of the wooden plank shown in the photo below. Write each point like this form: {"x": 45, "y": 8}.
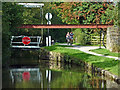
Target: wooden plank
{"x": 96, "y": 40}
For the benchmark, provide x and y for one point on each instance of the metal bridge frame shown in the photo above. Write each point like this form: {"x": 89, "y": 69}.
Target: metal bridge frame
{"x": 101, "y": 26}
{"x": 26, "y": 46}
{"x": 66, "y": 26}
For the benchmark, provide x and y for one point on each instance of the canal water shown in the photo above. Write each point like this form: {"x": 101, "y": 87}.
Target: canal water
{"x": 34, "y": 73}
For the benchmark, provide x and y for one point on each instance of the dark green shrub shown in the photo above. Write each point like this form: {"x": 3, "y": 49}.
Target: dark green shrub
{"x": 81, "y": 37}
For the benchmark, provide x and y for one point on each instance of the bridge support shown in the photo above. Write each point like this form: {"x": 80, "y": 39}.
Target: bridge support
{"x": 103, "y": 38}
{"x": 102, "y": 33}
{"x": 100, "y": 37}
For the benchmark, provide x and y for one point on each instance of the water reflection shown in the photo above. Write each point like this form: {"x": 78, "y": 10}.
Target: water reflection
{"x": 51, "y": 74}
{"x": 25, "y": 74}
{"x": 48, "y": 75}
{"x": 25, "y": 77}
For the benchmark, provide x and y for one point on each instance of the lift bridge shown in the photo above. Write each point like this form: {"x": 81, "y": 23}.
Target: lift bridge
{"x": 25, "y": 42}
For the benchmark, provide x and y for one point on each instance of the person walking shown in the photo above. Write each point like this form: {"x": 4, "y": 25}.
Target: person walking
{"x": 68, "y": 37}
{"x": 71, "y": 37}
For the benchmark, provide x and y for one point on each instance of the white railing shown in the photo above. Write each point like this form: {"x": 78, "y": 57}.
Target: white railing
{"x": 16, "y": 42}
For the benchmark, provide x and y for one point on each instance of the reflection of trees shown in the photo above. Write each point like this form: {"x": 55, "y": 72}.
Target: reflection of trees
{"x": 98, "y": 83}
{"x": 72, "y": 79}
{"x": 49, "y": 76}
{"x": 29, "y": 84}
{"x": 77, "y": 80}
{"x": 55, "y": 65}
{"x": 85, "y": 81}
{"x": 69, "y": 80}
{"x": 59, "y": 66}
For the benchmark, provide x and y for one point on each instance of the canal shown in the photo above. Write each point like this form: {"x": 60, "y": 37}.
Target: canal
{"x": 25, "y": 72}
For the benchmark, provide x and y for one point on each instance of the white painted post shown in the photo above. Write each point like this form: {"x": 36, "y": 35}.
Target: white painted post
{"x": 52, "y": 42}
{"x": 37, "y": 40}
{"x": 11, "y": 40}
{"x": 46, "y": 41}
{"x": 49, "y": 76}
{"x": 46, "y": 74}
{"x": 49, "y": 40}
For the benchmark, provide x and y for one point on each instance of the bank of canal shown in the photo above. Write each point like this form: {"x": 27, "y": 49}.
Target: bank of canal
{"x": 100, "y": 65}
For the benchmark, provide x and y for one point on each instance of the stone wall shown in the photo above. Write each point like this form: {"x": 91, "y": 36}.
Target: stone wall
{"x": 113, "y": 39}
{"x": 56, "y": 56}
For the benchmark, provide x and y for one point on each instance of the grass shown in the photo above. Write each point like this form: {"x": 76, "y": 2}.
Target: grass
{"x": 105, "y": 52}
{"x": 101, "y": 62}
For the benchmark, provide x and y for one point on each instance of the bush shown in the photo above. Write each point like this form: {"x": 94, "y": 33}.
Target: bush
{"x": 81, "y": 37}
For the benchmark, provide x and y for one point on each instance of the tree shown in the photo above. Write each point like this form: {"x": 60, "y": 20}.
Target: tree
{"x": 112, "y": 12}
{"x": 32, "y": 16}
{"x": 11, "y": 18}
{"x": 83, "y": 12}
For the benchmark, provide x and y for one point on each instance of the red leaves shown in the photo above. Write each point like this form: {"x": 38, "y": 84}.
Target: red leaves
{"x": 102, "y": 11}
{"x": 92, "y": 10}
{"x": 80, "y": 4}
{"x": 84, "y": 16}
{"x": 74, "y": 4}
{"x": 104, "y": 4}
{"x": 101, "y": 8}
{"x": 71, "y": 18}
{"x": 79, "y": 12}
{"x": 53, "y": 7}
{"x": 88, "y": 12}
{"x": 73, "y": 10}
{"x": 74, "y": 13}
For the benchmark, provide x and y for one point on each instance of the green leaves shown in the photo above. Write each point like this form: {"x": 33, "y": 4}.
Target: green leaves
{"x": 91, "y": 11}
{"x": 112, "y": 13}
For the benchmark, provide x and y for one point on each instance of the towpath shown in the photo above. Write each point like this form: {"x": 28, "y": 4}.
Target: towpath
{"x": 87, "y": 49}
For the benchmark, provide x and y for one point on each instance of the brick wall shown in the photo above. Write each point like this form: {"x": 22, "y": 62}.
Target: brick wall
{"x": 113, "y": 39}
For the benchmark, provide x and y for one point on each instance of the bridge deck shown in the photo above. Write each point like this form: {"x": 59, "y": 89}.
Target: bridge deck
{"x": 66, "y": 26}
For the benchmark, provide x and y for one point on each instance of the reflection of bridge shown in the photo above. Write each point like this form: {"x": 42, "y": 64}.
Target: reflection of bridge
{"x": 16, "y": 74}
{"x": 17, "y": 42}
{"x": 32, "y": 75}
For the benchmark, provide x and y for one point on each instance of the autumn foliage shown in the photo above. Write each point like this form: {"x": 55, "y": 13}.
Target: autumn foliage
{"x": 83, "y": 12}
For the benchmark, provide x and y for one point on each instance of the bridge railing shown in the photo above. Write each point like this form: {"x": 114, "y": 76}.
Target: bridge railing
{"x": 16, "y": 42}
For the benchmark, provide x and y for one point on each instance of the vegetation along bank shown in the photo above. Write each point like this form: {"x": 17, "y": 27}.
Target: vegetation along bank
{"x": 104, "y": 66}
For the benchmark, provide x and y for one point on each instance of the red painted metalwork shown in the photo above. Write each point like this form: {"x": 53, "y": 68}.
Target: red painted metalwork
{"x": 26, "y": 76}
{"x": 26, "y": 40}
{"x": 66, "y": 26}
